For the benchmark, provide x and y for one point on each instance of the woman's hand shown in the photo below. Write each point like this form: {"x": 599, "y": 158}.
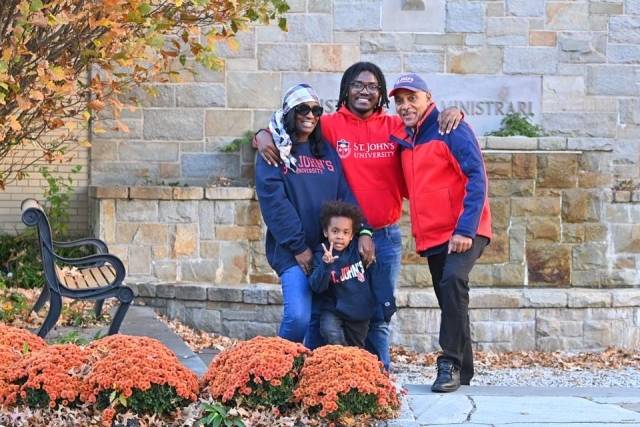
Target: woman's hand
{"x": 267, "y": 148}
{"x": 305, "y": 261}
{"x": 448, "y": 120}
{"x": 328, "y": 257}
{"x": 367, "y": 250}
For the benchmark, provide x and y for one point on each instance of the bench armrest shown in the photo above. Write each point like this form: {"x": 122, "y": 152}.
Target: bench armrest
{"x": 88, "y": 241}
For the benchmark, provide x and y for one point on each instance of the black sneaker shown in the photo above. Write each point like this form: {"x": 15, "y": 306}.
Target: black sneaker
{"x": 448, "y": 379}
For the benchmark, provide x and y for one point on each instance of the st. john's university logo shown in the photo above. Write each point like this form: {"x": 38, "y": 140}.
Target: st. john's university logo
{"x": 343, "y": 148}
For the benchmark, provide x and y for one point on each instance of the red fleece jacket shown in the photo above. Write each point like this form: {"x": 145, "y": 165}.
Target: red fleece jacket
{"x": 371, "y": 162}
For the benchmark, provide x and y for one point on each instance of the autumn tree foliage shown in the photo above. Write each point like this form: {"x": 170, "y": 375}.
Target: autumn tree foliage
{"x": 63, "y": 61}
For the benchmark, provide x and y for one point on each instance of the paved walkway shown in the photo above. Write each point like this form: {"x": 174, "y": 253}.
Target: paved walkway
{"x": 471, "y": 405}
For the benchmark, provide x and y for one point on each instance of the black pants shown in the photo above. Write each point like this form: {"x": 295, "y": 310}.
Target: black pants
{"x": 338, "y": 331}
{"x": 450, "y": 274}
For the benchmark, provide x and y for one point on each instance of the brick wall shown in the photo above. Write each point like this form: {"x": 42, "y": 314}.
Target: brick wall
{"x": 34, "y": 186}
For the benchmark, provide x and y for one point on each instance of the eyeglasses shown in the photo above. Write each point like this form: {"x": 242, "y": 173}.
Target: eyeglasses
{"x": 371, "y": 88}
{"x": 303, "y": 110}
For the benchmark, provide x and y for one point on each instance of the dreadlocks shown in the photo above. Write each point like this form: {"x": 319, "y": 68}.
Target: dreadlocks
{"x": 352, "y": 73}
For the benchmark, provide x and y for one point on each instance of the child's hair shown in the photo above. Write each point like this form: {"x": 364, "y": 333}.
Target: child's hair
{"x": 335, "y": 208}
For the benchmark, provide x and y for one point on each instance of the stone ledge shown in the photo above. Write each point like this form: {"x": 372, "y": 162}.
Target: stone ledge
{"x": 171, "y": 193}
{"x": 480, "y": 298}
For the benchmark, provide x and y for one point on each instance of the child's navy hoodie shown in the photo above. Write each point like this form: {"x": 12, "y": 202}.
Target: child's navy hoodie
{"x": 344, "y": 285}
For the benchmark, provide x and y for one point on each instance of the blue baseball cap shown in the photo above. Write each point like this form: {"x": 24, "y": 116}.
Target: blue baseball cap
{"x": 412, "y": 82}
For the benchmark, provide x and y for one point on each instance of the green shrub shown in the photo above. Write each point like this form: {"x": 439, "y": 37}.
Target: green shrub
{"x": 516, "y": 124}
{"x": 217, "y": 415}
{"x": 239, "y": 142}
{"x": 20, "y": 259}
{"x": 58, "y": 199}
{"x": 12, "y": 304}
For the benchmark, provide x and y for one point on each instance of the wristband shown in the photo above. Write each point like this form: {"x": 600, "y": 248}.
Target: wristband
{"x": 367, "y": 232}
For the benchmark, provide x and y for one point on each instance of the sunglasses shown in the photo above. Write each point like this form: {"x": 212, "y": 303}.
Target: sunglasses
{"x": 303, "y": 110}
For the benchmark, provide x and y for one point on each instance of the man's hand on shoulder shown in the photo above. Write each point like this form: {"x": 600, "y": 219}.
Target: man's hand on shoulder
{"x": 267, "y": 148}
{"x": 449, "y": 119}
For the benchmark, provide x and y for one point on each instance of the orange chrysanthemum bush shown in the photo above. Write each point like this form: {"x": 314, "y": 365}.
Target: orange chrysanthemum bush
{"x": 260, "y": 372}
{"x": 8, "y": 356}
{"x": 47, "y": 377}
{"x": 20, "y": 338}
{"x": 137, "y": 374}
{"x": 345, "y": 381}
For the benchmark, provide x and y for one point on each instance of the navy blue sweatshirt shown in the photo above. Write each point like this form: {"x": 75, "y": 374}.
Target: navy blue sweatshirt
{"x": 344, "y": 285}
{"x": 347, "y": 288}
{"x": 291, "y": 202}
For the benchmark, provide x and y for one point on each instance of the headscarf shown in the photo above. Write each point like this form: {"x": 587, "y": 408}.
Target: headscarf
{"x": 294, "y": 96}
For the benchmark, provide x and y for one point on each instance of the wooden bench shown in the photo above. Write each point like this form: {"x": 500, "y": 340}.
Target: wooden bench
{"x": 93, "y": 277}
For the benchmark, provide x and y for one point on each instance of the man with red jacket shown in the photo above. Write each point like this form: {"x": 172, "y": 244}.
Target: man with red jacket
{"x": 450, "y": 218}
{"x": 360, "y": 130}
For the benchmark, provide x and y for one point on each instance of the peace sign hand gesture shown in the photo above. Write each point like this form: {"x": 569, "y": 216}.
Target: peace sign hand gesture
{"x": 328, "y": 257}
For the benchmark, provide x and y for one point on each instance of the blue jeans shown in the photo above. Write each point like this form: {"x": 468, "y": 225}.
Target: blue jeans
{"x": 301, "y": 317}
{"x": 388, "y": 244}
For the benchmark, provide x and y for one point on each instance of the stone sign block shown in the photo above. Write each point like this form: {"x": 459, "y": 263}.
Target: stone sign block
{"x": 415, "y": 16}
{"x": 485, "y": 100}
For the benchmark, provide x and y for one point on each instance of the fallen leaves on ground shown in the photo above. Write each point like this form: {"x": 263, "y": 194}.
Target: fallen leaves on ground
{"x": 74, "y": 312}
{"x": 610, "y": 358}
{"x": 198, "y": 340}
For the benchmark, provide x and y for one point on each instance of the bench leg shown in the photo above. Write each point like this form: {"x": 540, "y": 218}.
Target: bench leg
{"x": 55, "y": 306}
{"x": 125, "y": 295}
{"x": 118, "y": 318}
{"x": 42, "y": 299}
{"x": 97, "y": 308}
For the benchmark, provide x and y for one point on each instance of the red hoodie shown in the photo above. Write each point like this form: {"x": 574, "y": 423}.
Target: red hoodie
{"x": 371, "y": 162}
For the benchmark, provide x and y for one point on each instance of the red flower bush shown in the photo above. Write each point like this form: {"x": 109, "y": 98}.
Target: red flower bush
{"x": 261, "y": 371}
{"x": 17, "y": 338}
{"x": 138, "y": 374}
{"x": 340, "y": 381}
{"x": 47, "y": 377}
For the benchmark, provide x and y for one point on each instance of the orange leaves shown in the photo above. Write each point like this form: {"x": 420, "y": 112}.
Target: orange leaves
{"x": 39, "y": 20}
{"x": 52, "y": 44}
{"x": 14, "y": 124}
{"x": 96, "y": 104}
{"x": 36, "y": 95}
{"x": 23, "y": 103}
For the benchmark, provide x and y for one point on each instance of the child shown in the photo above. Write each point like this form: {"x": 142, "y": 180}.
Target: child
{"x": 346, "y": 288}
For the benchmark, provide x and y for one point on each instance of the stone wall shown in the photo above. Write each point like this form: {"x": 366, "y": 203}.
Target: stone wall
{"x": 556, "y": 222}
{"x": 501, "y": 319}
{"x": 554, "y": 276}
{"x": 583, "y": 55}
{"x": 566, "y": 207}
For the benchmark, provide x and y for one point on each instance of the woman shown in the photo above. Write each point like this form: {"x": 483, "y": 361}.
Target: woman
{"x": 291, "y": 197}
